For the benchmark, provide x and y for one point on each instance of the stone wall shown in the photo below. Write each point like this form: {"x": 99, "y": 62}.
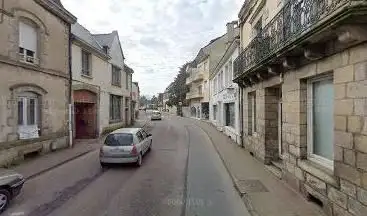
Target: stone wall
{"x": 342, "y": 189}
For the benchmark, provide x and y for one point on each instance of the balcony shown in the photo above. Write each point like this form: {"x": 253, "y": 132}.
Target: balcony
{"x": 299, "y": 33}
{"x": 196, "y": 75}
{"x": 194, "y": 95}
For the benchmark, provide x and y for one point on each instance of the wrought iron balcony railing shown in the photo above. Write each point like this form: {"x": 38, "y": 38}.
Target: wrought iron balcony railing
{"x": 296, "y": 18}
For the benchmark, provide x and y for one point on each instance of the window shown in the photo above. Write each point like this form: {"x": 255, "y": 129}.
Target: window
{"x": 86, "y": 63}
{"x": 116, "y": 76}
{"x": 230, "y": 72}
{"x": 145, "y": 135}
{"x": 140, "y": 136}
{"x": 115, "y": 107}
{"x": 320, "y": 114}
{"x": 127, "y": 81}
{"x": 226, "y": 76}
{"x": 215, "y": 110}
{"x": 28, "y": 43}
{"x": 252, "y": 113}
{"x": 28, "y": 115}
{"x": 120, "y": 139}
{"x": 200, "y": 89}
{"x": 230, "y": 114}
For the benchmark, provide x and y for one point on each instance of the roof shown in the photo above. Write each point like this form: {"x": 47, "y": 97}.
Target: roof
{"x": 58, "y": 2}
{"x": 128, "y": 69}
{"x": 105, "y": 39}
{"x": 83, "y": 34}
{"x": 126, "y": 130}
{"x": 57, "y": 9}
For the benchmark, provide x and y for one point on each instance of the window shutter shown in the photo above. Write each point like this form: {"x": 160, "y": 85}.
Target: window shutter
{"x": 27, "y": 37}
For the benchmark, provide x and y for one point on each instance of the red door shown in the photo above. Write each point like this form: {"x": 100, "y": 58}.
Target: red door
{"x": 85, "y": 112}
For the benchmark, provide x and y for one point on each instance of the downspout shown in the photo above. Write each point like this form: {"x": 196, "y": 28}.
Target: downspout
{"x": 70, "y": 92}
{"x": 2, "y": 11}
{"x": 241, "y": 114}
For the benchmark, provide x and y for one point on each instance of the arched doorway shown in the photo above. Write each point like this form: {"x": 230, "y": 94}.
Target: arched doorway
{"x": 85, "y": 114}
{"x": 193, "y": 112}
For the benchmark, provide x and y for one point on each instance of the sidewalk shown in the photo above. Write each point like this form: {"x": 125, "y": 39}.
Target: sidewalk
{"x": 36, "y": 166}
{"x": 262, "y": 192}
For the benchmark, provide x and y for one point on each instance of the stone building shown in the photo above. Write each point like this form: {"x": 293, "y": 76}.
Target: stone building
{"x": 90, "y": 64}
{"x": 118, "y": 84}
{"x": 224, "y": 106}
{"x": 34, "y": 88}
{"x": 302, "y": 70}
{"x": 135, "y": 98}
{"x": 198, "y": 76}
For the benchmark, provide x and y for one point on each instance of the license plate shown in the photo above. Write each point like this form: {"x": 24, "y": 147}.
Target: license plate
{"x": 117, "y": 150}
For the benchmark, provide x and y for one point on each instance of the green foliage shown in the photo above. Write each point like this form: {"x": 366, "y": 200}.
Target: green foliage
{"x": 143, "y": 101}
{"x": 177, "y": 89}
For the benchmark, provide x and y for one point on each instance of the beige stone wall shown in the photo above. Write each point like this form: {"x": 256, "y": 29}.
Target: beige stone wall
{"x": 343, "y": 189}
{"x": 54, "y": 100}
{"x": 53, "y": 35}
{"x": 48, "y": 79}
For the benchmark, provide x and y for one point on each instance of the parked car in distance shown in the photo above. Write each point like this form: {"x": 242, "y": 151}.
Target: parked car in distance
{"x": 156, "y": 115}
{"x": 11, "y": 184}
{"x": 125, "y": 145}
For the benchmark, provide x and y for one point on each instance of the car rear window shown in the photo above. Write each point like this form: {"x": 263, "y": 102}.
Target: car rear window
{"x": 120, "y": 139}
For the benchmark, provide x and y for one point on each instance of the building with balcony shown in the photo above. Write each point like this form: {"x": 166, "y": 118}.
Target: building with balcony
{"x": 302, "y": 72}
{"x": 198, "y": 76}
{"x": 135, "y": 98}
{"x": 34, "y": 84}
{"x": 224, "y": 94}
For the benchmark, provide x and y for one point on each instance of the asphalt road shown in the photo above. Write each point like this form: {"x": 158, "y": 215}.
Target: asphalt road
{"x": 182, "y": 175}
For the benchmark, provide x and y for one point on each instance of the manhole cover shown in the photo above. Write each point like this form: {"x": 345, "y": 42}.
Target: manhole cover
{"x": 251, "y": 186}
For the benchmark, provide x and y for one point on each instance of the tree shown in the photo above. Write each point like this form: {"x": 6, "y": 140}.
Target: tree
{"x": 143, "y": 101}
{"x": 154, "y": 100}
{"x": 177, "y": 89}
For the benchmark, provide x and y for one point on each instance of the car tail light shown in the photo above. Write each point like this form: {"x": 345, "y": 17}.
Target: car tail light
{"x": 134, "y": 151}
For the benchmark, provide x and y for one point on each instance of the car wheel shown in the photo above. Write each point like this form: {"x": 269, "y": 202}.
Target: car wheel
{"x": 139, "y": 162}
{"x": 150, "y": 145}
{"x": 4, "y": 199}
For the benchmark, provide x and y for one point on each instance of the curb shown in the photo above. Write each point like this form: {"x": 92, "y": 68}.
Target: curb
{"x": 244, "y": 197}
{"x": 58, "y": 164}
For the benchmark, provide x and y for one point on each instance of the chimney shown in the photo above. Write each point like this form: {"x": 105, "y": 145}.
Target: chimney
{"x": 231, "y": 31}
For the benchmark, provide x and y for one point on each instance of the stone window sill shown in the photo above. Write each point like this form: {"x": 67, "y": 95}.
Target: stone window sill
{"x": 87, "y": 76}
{"x": 318, "y": 171}
{"x": 115, "y": 121}
{"x": 116, "y": 85}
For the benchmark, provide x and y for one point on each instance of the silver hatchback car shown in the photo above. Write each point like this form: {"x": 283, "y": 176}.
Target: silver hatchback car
{"x": 125, "y": 145}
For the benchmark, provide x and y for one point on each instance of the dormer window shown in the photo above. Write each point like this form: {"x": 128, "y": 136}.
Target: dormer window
{"x": 28, "y": 43}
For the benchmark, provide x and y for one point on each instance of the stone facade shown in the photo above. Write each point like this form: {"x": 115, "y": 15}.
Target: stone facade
{"x": 47, "y": 79}
{"x": 337, "y": 187}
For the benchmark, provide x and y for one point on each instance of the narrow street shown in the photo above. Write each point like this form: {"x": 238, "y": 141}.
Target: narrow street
{"x": 182, "y": 175}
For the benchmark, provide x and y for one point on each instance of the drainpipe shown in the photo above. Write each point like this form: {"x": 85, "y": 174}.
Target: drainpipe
{"x": 241, "y": 114}
{"x": 2, "y": 12}
{"x": 70, "y": 92}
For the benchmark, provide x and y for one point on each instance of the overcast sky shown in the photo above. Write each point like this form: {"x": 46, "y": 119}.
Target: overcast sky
{"x": 157, "y": 36}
